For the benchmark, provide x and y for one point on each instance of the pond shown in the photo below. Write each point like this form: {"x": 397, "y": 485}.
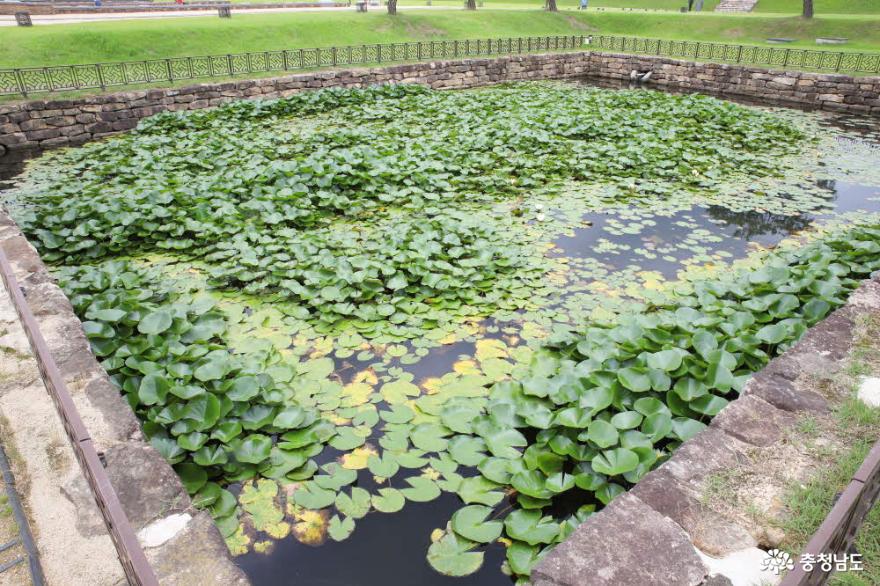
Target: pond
{"x": 397, "y": 335}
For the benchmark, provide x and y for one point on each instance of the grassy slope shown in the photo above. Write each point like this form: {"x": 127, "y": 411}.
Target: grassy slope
{"x": 673, "y": 5}
{"x": 139, "y": 39}
{"x": 820, "y": 6}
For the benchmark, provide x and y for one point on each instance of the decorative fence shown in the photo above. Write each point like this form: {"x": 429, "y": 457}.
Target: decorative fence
{"x": 746, "y": 54}
{"x": 31, "y": 80}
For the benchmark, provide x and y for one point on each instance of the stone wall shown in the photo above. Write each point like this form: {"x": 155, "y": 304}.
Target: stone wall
{"x": 50, "y": 123}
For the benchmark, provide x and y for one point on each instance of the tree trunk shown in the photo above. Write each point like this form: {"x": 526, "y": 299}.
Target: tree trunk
{"x": 551, "y": 6}
{"x": 392, "y": 6}
{"x": 808, "y": 8}
{"x": 471, "y": 5}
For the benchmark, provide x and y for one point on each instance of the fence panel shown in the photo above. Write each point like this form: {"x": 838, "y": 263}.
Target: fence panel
{"x": 33, "y": 80}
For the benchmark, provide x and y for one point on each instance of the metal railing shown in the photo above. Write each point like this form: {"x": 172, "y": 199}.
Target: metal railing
{"x": 746, "y": 54}
{"x": 32, "y": 80}
{"x": 131, "y": 556}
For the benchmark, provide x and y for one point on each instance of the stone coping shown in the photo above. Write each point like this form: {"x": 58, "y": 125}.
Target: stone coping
{"x": 661, "y": 532}
{"x": 182, "y": 543}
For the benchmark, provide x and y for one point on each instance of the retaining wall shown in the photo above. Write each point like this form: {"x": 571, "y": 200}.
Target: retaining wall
{"x": 50, "y": 123}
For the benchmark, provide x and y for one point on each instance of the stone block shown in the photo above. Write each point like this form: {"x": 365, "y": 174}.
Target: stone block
{"x": 753, "y": 420}
{"x": 783, "y": 394}
{"x": 626, "y": 544}
{"x": 709, "y": 531}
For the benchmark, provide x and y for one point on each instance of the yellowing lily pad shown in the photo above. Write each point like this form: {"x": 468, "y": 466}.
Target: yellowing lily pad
{"x": 357, "y": 458}
{"x": 258, "y": 499}
{"x": 310, "y": 527}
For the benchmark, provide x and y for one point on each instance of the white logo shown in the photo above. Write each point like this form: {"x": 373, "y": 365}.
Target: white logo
{"x": 777, "y": 561}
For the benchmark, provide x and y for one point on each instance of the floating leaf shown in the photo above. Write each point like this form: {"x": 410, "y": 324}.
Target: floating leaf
{"x": 470, "y": 522}
{"x": 389, "y": 500}
{"x": 451, "y": 555}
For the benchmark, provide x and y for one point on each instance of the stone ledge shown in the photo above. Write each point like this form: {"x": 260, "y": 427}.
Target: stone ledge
{"x": 627, "y": 544}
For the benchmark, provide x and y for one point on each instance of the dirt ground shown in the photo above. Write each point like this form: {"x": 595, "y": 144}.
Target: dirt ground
{"x": 43, "y": 463}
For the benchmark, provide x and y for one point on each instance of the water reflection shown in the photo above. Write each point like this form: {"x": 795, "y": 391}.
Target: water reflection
{"x": 664, "y": 243}
{"x": 384, "y": 549}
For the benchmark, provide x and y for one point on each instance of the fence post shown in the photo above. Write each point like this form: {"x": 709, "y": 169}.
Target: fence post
{"x": 302, "y": 59}
{"x": 318, "y": 57}
{"x": 839, "y": 61}
{"x": 739, "y": 54}
{"x": 785, "y": 58}
{"x": 419, "y": 50}
{"x": 379, "y": 52}
{"x": 168, "y": 69}
{"x": 19, "y": 80}
{"x": 455, "y": 49}
{"x": 100, "y": 76}
{"x": 48, "y": 79}
{"x": 284, "y": 60}
{"x": 189, "y": 67}
{"x": 229, "y": 63}
{"x": 334, "y": 56}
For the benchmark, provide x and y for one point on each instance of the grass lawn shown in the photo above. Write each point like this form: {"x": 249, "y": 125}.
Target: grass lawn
{"x": 821, "y": 6}
{"x": 141, "y": 39}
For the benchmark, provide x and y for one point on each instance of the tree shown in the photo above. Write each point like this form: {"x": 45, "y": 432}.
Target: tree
{"x": 392, "y": 6}
{"x": 551, "y": 6}
{"x": 471, "y": 5}
{"x": 808, "y": 8}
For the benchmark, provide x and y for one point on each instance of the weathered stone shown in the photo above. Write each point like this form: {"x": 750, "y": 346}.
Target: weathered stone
{"x": 708, "y": 452}
{"x": 753, "y": 420}
{"x": 626, "y": 544}
{"x": 783, "y": 394}
{"x": 869, "y": 391}
{"x": 190, "y": 557}
{"x": 866, "y": 296}
{"x": 147, "y": 487}
{"x": 709, "y": 531}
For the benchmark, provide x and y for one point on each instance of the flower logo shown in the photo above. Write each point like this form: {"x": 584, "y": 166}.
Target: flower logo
{"x": 777, "y": 561}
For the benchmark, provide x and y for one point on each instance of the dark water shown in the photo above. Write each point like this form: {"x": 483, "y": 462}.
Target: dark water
{"x": 737, "y": 230}
{"x": 387, "y": 550}
{"x": 12, "y": 164}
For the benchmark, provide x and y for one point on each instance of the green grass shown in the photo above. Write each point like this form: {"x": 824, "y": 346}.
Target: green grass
{"x": 821, "y": 6}
{"x": 672, "y": 5}
{"x": 144, "y": 39}
{"x": 809, "y": 504}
